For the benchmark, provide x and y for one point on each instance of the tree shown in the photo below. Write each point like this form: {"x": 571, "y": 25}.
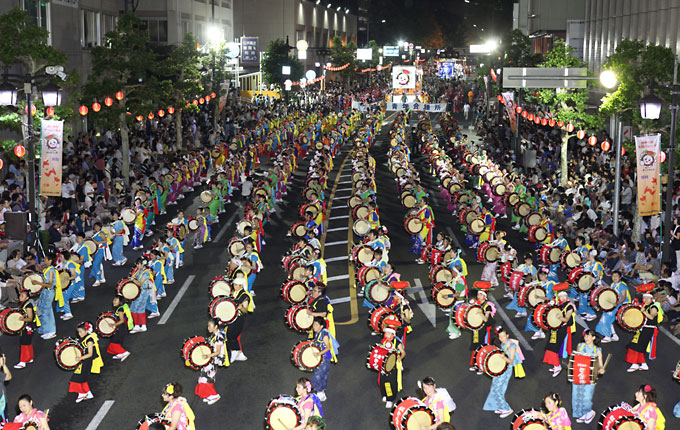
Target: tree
{"x": 276, "y": 56}
{"x": 126, "y": 62}
{"x": 435, "y": 38}
{"x": 24, "y": 45}
{"x": 342, "y": 54}
{"x": 568, "y": 105}
{"x": 517, "y": 47}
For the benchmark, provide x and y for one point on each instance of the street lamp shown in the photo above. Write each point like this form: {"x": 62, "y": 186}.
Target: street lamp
{"x": 608, "y": 79}
{"x": 51, "y": 94}
{"x": 8, "y": 94}
{"x": 650, "y": 107}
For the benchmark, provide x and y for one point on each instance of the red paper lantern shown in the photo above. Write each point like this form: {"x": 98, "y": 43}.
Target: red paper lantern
{"x": 592, "y": 141}
{"x": 1, "y": 163}
{"x": 580, "y": 134}
{"x": 531, "y": 117}
{"x": 161, "y": 113}
{"x": 212, "y": 95}
{"x": 662, "y": 156}
{"x": 108, "y": 101}
{"x": 570, "y": 127}
{"x": 207, "y": 99}
{"x": 518, "y": 109}
{"x": 605, "y": 146}
{"x": 499, "y": 97}
{"x": 195, "y": 102}
{"x": 119, "y": 95}
{"x": 50, "y": 112}
{"x": 150, "y": 116}
{"x": 96, "y": 107}
{"x": 560, "y": 124}
{"x": 537, "y": 120}
{"x": 139, "y": 118}
{"x": 524, "y": 114}
{"x": 19, "y": 151}
{"x": 552, "y": 123}
{"x": 171, "y": 110}
{"x": 544, "y": 122}
{"x": 201, "y": 100}
{"x": 83, "y": 110}
{"x": 32, "y": 110}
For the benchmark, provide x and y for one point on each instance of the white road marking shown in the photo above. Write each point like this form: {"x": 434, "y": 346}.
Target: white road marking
{"x": 337, "y": 278}
{"x": 228, "y": 223}
{"x": 339, "y": 216}
{"x": 510, "y": 324}
{"x": 166, "y": 315}
{"x": 665, "y": 331}
{"x": 425, "y": 306}
{"x": 337, "y": 229}
{"x": 344, "y": 182}
{"x": 341, "y": 300}
{"x": 337, "y": 242}
{"x": 99, "y": 416}
{"x": 455, "y": 241}
{"x": 332, "y": 259}
{"x": 341, "y": 198}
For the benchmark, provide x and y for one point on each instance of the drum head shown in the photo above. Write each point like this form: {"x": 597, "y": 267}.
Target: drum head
{"x": 298, "y": 273}
{"x": 390, "y": 363}
{"x": 354, "y": 201}
{"x": 193, "y": 225}
{"x": 206, "y": 196}
{"x": 128, "y": 215}
{"x": 409, "y": 201}
{"x": 477, "y": 226}
{"x": 418, "y": 419}
{"x": 445, "y": 296}
{"x": 308, "y": 359}
{"x": 496, "y": 363}
{"x": 362, "y": 211}
{"x": 105, "y": 325}
{"x": 553, "y": 318}
{"x": 475, "y": 317}
{"x": 283, "y": 417}
{"x": 198, "y": 352}
{"x": 365, "y": 255}
{"x": 298, "y": 293}
{"x": 303, "y": 319}
{"x": 634, "y": 317}
{"x": 64, "y": 277}
{"x": 414, "y": 226}
{"x": 378, "y": 292}
{"x": 361, "y": 227}
{"x": 586, "y": 282}
{"x": 225, "y": 310}
{"x": 14, "y": 321}
{"x": 70, "y": 356}
{"x": 129, "y": 290}
{"x": 220, "y": 287}
{"x": 536, "y": 296}
{"x": 299, "y": 230}
{"x": 607, "y": 299}
{"x": 444, "y": 275}
{"x": 236, "y": 248}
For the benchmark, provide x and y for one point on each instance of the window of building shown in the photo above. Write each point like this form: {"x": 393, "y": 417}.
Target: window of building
{"x": 158, "y": 30}
{"x": 39, "y": 13}
{"x": 91, "y": 29}
{"x": 199, "y": 32}
{"x": 299, "y": 35}
{"x": 186, "y": 27}
{"x": 108, "y": 23}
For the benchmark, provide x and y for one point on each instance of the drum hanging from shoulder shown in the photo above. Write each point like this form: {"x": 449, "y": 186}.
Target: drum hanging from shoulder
{"x": 522, "y": 209}
{"x": 128, "y": 289}
{"x": 469, "y": 316}
{"x": 354, "y": 201}
{"x": 381, "y": 359}
{"x": 220, "y": 287}
{"x": 236, "y": 247}
{"x": 476, "y": 226}
{"x": 630, "y": 317}
{"x": 441, "y": 274}
{"x": 454, "y": 187}
{"x": 91, "y": 246}
{"x": 550, "y": 254}
{"x": 145, "y": 422}
{"x": 470, "y": 216}
{"x": 582, "y": 369}
{"x": 408, "y": 201}
{"x": 516, "y": 280}
{"x": 241, "y": 226}
{"x": 603, "y": 298}
{"x": 377, "y": 292}
{"x": 547, "y": 316}
{"x": 491, "y": 360}
{"x": 367, "y": 274}
{"x": 224, "y": 309}
{"x": 488, "y": 252}
{"x": 411, "y": 414}
{"x": 30, "y": 283}
{"x": 570, "y": 260}
{"x": 528, "y": 419}
{"x": 362, "y": 254}
{"x": 206, "y": 196}
{"x": 621, "y": 417}
{"x": 282, "y": 413}
{"x": 11, "y": 321}
{"x": 194, "y": 351}
{"x": 499, "y": 189}
{"x": 64, "y": 276}
{"x": 360, "y": 212}
{"x": 294, "y": 291}
{"x": 377, "y": 316}
{"x": 105, "y": 324}
{"x": 581, "y": 279}
{"x": 412, "y": 225}
{"x": 298, "y": 319}
{"x": 534, "y": 218}
{"x": 531, "y": 295}
{"x": 193, "y": 225}
{"x": 298, "y": 230}
{"x": 511, "y": 199}
{"x": 361, "y": 227}
{"x": 128, "y": 215}
{"x": 67, "y": 352}
{"x": 443, "y": 295}
{"x": 303, "y": 355}
{"x": 537, "y": 233}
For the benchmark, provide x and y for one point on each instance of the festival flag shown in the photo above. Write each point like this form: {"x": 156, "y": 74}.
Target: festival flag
{"x": 509, "y": 98}
{"x": 51, "y": 144}
{"x": 647, "y": 149}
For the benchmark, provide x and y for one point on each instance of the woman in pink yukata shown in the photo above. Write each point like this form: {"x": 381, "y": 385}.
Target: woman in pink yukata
{"x": 554, "y": 414}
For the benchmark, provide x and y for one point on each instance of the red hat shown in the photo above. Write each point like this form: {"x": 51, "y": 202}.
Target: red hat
{"x": 391, "y": 322}
{"x": 399, "y": 285}
{"x": 482, "y": 285}
{"x": 645, "y": 288}
{"x": 562, "y": 286}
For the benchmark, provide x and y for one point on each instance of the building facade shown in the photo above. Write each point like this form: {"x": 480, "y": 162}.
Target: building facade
{"x": 607, "y": 22}
{"x": 546, "y": 20}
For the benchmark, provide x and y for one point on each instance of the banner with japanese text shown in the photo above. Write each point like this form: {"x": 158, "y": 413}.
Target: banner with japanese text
{"x": 51, "y": 144}
{"x": 647, "y": 151}
{"x": 249, "y": 50}
{"x": 509, "y": 99}
{"x": 417, "y": 107}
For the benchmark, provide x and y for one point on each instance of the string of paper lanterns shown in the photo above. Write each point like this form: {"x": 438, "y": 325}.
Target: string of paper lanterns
{"x": 336, "y": 69}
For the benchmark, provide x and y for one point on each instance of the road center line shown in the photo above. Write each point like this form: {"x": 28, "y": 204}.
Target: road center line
{"x": 99, "y": 416}
{"x": 228, "y": 223}
{"x": 510, "y": 324}
{"x": 332, "y": 259}
{"x": 166, "y": 315}
{"x": 337, "y": 278}
{"x": 455, "y": 241}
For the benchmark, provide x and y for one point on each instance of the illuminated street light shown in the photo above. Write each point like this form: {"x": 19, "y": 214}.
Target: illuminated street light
{"x": 608, "y": 79}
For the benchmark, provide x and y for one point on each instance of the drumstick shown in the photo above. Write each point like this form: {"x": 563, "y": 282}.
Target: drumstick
{"x": 606, "y": 362}
{"x": 279, "y": 420}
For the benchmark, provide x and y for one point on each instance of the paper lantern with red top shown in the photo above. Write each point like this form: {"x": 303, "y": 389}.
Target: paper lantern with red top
{"x": 83, "y": 110}
{"x": 32, "y": 110}
{"x": 531, "y": 117}
{"x": 605, "y": 146}
{"x": 592, "y": 141}
{"x": 580, "y": 134}
{"x": 139, "y": 118}
{"x": 171, "y": 110}
{"x": 108, "y": 101}
{"x": 212, "y": 95}
{"x": 119, "y": 95}
{"x": 499, "y": 97}
{"x": 50, "y": 111}
{"x": 570, "y": 127}
{"x": 560, "y": 124}
{"x": 518, "y": 109}
{"x": 524, "y": 114}
{"x": 1, "y": 163}
{"x": 552, "y": 123}
{"x": 207, "y": 99}
{"x": 201, "y": 100}
{"x": 195, "y": 102}
{"x": 662, "y": 156}
{"x": 537, "y": 120}
{"x": 161, "y": 113}
{"x": 544, "y": 122}
{"x": 150, "y": 116}
{"x": 19, "y": 151}
{"x": 96, "y": 107}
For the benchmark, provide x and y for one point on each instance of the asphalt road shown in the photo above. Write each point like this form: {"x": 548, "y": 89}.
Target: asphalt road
{"x": 353, "y": 402}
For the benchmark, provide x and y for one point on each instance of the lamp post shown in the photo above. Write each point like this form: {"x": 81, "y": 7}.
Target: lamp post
{"x": 650, "y": 108}
{"x": 51, "y": 95}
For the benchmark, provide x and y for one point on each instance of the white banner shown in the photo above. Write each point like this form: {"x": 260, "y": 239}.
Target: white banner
{"x": 417, "y": 107}
{"x": 51, "y": 140}
{"x": 404, "y": 77}
{"x": 647, "y": 150}
{"x": 362, "y": 105}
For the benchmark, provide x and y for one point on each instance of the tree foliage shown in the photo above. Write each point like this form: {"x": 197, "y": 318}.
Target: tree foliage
{"x": 517, "y": 47}
{"x": 342, "y": 54}
{"x": 276, "y": 56}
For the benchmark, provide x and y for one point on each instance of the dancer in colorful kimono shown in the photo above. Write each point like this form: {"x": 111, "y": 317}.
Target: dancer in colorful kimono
{"x": 595, "y": 268}
{"x": 308, "y": 402}
{"x": 553, "y": 412}
{"x": 75, "y": 283}
{"x": 102, "y": 241}
{"x": 205, "y": 388}
{"x": 559, "y": 343}
{"x": 581, "y": 391}
{"x": 176, "y": 247}
{"x": 424, "y": 237}
{"x": 530, "y": 271}
{"x": 118, "y": 228}
{"x": 255, "y": 263}
{"x": 85, "y": 261}
{"x": 123, "y": 325}
{"x": 547, "y": 285}
{"x": 484, "y": 335}
{"x": 647, "y": 409}
{"x": 140, "y": 226}
{"x": 51, "y": 291}
{"x": 495, "y": 401}
{"x": 157, "y": 264}
{"x": 143, "y": 277}
{"x": 645, "y": 338}
{"x": 31, "y": 323}
{"x": 177, "y": 410}
{"x": 605, "y": 326}
{"x": 390, "y": 384}
{"x": 202, "y": 235}
{"x": 328, "y": 346}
